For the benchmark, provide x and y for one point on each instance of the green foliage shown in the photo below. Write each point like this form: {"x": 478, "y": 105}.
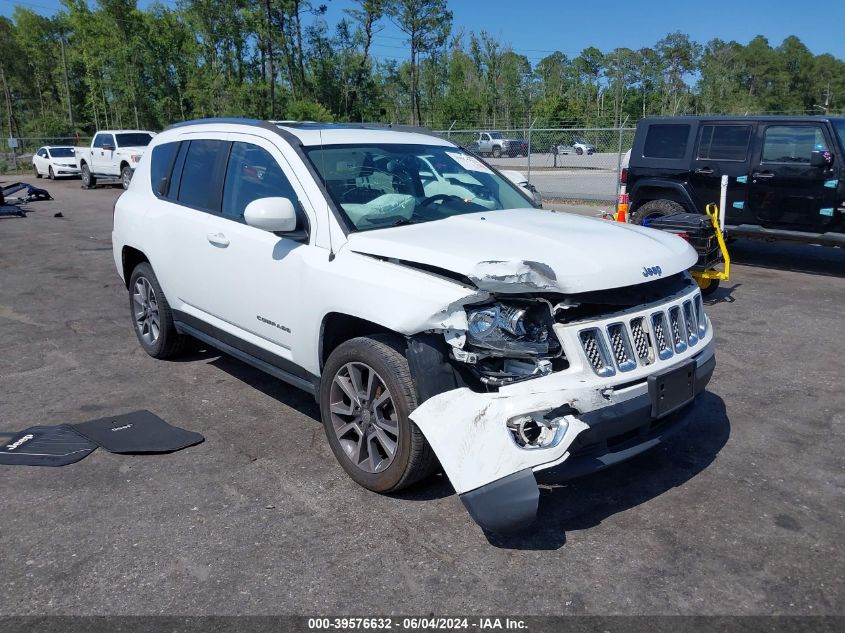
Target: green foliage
{"x": 111, "y": 64}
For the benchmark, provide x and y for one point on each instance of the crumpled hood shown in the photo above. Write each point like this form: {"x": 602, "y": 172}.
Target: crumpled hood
{"x": 525, "y": 250}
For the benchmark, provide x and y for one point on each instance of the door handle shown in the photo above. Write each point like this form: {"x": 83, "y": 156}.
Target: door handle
{"x": 765, "y": 175}
{"x": 218, "y": 239}
{"x": 704, "y": 171}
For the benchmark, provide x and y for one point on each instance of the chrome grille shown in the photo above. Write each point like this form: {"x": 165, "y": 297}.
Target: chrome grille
{"x": 596, "y": 352}
{"x": 622, "y": 353}
{"x": 691, "y": 324}
{"x": 661, "y": 335}
{"x": 699, "y": 316}
{"x": 641, "y": 341}
{"x": 678, "y": 333}
{"x": 644, "y": 339}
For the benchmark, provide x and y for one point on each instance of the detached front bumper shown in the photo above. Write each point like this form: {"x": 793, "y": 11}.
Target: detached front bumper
{"x": 496, "y": 479}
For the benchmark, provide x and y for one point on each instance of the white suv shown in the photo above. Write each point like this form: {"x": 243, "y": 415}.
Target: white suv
{"x": 440, "y": 319}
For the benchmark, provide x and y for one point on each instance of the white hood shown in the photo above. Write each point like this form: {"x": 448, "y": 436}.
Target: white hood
{"x": 523, "y": 250}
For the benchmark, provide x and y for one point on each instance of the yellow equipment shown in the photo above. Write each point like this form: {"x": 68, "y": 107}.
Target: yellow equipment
{"x": 708, "y": 279}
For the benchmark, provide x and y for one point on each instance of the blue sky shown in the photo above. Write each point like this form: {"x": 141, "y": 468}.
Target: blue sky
{"x": 536, "y": 27}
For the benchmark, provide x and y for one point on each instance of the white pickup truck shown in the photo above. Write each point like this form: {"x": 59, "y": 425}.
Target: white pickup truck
{"x": 113, "y": 155}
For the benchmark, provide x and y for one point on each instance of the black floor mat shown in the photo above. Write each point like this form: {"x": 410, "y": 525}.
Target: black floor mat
{"x": 137, "y": 432}
{"x": 45, "y": 446}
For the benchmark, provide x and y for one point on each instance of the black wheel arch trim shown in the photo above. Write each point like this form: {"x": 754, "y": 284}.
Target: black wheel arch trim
{"x": 677, "y": 188}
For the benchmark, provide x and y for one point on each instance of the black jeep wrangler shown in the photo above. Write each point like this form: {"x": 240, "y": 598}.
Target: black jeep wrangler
{"x": 786, "y": 175}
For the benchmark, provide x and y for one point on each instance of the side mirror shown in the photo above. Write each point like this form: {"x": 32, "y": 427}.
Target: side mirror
{"x": 108, "y": 148}
{"x": 276, "y": 215}
{"x": 821, "y": 158}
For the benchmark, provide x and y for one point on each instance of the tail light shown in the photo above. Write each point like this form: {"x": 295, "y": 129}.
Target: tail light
{"x": 623, "y": 176}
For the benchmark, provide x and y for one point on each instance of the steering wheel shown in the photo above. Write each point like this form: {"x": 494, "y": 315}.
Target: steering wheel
{"x": 437, "y": 197}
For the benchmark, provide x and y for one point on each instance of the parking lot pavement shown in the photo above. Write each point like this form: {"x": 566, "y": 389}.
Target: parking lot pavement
{"x": 740, "y": 514}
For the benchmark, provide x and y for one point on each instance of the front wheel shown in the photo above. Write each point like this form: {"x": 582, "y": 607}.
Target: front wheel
{"x": 366, "y": 397}
{"x": 88, "y": 180}
{"x": 50, "y": 174}
{"x": 126, "y": 176}
{"x": 152, "y": 317}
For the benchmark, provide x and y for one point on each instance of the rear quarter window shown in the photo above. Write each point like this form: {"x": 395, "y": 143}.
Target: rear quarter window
{"x": 161, "y": 166}
{"x": 666, "y": 141}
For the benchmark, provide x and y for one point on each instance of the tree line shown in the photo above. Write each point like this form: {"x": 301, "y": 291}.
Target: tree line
{"x": 111, "y": 64}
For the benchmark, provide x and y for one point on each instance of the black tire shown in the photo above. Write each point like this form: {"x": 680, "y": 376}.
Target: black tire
{"x": 655, "y": 209}
{"x": 413, "y": 460}
{"x": 35, "y": 172}
{"x": 126, "y": 176}
{"x": 579, "y": 151}
{"x": 169, "y": 343}
{"x": 497, "y": 152}
{"x": 50, "y": 173}
{"x": 88, "y": 179}
{"x": 710, "y": 288}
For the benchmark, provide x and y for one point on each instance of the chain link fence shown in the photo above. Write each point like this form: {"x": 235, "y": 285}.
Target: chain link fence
{"x": 18, "y": 160}
{"x": 563, "y": 163}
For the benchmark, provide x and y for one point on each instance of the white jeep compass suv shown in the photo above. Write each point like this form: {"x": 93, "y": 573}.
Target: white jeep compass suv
{"x": 440, "y": 319}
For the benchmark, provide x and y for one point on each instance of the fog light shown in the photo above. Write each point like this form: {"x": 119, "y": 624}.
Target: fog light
{"x": 535, "y": 431}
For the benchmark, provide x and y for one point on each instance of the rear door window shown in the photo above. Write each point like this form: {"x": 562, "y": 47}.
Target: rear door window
{"x": 666, "y": 141}
{"x": 724, "y": 142}
{"x": 792, "y": 144}
{"x": 196, "y": 188}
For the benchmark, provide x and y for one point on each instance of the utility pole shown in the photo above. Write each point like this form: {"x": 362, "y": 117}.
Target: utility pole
{"x": 270, "y": 59}
{"x": 9, "y": 115}
{"x": 67, "y": 83}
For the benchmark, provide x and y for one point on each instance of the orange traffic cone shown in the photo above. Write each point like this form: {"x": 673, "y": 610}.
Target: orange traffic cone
{"x": 622, "y": 208}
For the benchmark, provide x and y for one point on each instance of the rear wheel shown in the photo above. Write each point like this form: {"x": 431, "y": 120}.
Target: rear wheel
{"x": 366, "y": 396}
{"x": 579, "y": 151}
{"x": 497, "y": 152}
{"x": 655, "y": 209}
{"x": 126, "y": 176}
{"x": 88, "y": 180}
{"x": 35, "y": 172}
{"x": 152, "y": 317}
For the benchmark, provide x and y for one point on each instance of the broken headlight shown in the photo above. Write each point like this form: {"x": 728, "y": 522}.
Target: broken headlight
{"x": 513, "y": 331}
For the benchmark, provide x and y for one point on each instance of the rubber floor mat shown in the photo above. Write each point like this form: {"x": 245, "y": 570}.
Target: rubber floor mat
{"x": 137, "y": 432}
{"x": 45, "y": 446}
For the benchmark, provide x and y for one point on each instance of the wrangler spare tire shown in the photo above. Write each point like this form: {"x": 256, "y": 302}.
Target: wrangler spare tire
{"x": 655, "y": 209}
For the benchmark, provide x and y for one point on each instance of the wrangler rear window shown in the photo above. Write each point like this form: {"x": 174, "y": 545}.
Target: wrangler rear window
{"x": 666, "y": 141}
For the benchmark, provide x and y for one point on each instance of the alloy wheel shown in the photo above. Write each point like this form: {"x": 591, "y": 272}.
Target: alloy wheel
{"x": 145, "y": 311}
{"x": 364, "y": 417}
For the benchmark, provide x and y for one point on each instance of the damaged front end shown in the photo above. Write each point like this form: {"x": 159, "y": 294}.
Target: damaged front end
{"x": 510, "y": 393}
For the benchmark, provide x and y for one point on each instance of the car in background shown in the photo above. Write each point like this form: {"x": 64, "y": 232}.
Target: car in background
{"x": 573, "y": 146}
{"x": 784, "y": 174}
{"x": 495, "y": 144}
{"x": 54, "y": 162}
{"x": 112, "y": 156}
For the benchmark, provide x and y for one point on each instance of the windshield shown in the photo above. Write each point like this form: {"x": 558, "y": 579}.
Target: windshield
{"x": 61, "y": 152}
{"x": 388, "y": 185}
{"x": 839, "y": 126}
{"x": 135, "y": 139}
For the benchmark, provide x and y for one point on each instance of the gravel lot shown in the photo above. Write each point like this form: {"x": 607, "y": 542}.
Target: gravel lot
{"x": 742, "y": 514}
